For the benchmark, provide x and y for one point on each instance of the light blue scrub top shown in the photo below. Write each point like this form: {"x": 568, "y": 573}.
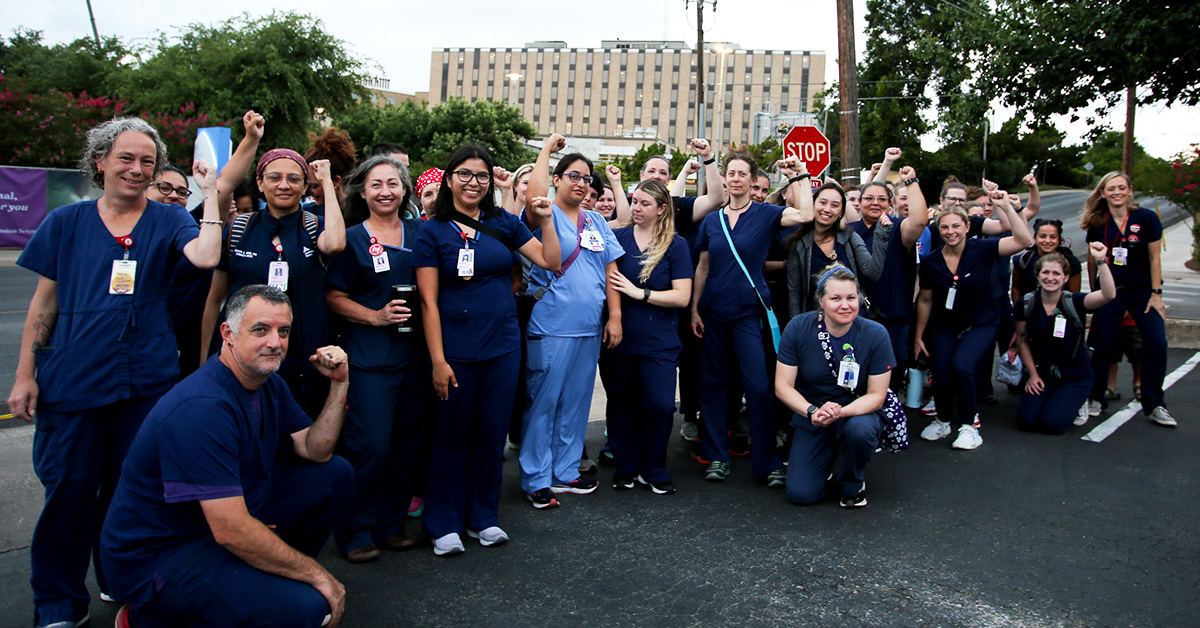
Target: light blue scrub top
{"x": 572, "y": 304}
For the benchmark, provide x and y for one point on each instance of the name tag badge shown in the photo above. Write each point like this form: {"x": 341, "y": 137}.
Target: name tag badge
{"x": 1060, "y": 326}
{"x": 277, "y": 275}
{"x": 848, "y": 374}
{"x": 591, "y": 240}
{"x": 1120, "y": 255}
{"x": 466, "y": 262}
{"x": 124, "y": 272}
{"x": 950, "y": 294}
{"x": 381, "y": 262}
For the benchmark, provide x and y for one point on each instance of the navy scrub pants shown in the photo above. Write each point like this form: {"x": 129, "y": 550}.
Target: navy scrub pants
{"x": 78, "y": 458}
{"x": 738, "y": 341}
{"x": 1054, "y": 411}
{"x": 689, "y": 368}
{"x": 641, "y": 412}
{"x": 1106, "y": 323}
{"x": 386, "y": 418}
{"x": 854, "y": 438}
{"x": 467, "y": 464}
{"x": 898, "y": 332}
{"x": 955, "y": 355}
{"x": 211, "y": 587}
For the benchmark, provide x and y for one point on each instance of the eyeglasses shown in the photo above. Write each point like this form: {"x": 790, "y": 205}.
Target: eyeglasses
{"x": 575, "y": 177}
{"x": 465, "y": 176}
{"x": 274, "y": 178}
{"x": 872, "y": 199}
{"x": 954, "y": 200}
{"x": 166, "y": 189}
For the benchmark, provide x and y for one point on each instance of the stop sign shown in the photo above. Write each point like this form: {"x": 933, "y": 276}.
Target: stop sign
{"x": 810, "y": 145}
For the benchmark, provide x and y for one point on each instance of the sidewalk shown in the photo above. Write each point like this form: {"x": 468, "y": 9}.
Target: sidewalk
{"x": 1181, "y": 288}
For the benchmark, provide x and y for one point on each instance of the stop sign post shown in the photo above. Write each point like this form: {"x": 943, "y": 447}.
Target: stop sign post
{"x": 809, "y": 145}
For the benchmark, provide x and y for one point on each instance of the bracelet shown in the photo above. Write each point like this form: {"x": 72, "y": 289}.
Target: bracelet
{"x": 211, "y": 222}
{"x": 911, "y": 181}
{"x": 646, "y": 295}
{"x": 1156, "y": 291}
{"x": 798, "y": 178}
{"x": 710, "y": 160}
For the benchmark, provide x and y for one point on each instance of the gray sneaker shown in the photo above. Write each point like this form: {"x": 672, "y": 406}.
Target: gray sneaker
{"x": 690, "y": 431}
{"x": 1162, "y": 417}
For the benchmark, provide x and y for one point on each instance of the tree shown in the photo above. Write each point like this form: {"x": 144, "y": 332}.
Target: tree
{"x": 1186, "y": 193}
{"x": 80, "y": 67}
{"x": 283, "y": 65}
{"x": 631, "y": 167}
{"x": 46, "y": 129}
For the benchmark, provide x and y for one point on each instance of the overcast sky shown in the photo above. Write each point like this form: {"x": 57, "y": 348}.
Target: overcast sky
{"x": 399, "y": 36}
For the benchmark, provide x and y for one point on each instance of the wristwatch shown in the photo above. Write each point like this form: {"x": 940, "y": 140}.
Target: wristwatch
{"x": 1156, "y": 291}
{"x": 812, "y": 409}
{"x": 911, "y": 181}
{"x": 646, "y": 294}
{"x": 710, "y": 160}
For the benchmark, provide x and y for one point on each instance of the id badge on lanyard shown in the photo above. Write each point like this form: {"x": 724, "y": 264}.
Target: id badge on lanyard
{"x": 1060, "y": 326}
{"x": 124, "y": 271}
{"x": 590, "y": 239}
{"x": 848, "y": 370}
{"x": 466, "y": 258}
{"x": 1120, "y": 256}
{"x": 277, "y": 271}
{"x": 951, "y": 293}
{"x": 379, "y": 258}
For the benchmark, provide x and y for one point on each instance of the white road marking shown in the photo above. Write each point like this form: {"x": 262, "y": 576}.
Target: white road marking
{"x": 1106, "y": 429}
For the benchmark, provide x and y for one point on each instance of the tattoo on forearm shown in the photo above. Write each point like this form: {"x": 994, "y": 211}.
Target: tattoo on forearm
{"x": 41, "y": 333}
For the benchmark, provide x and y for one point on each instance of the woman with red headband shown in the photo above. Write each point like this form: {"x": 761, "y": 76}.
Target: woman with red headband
{"x": 426, "y": 190}
{"x": 285, "y": 247}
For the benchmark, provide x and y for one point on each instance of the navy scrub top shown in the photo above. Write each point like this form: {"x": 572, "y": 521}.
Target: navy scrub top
{"x": 208, "y": 438}
{"x": 1141, "y": 229}
{"x": 891, "y": 294}
{"x": 479, "y": 315}
{"x": 1027, "y": 265}
{"x": 249, "y": 265}
{"x": 353, "y": 272}
{"x": 727, "y": 293}
{"x": 107, "y": 347}
{"x": 800, "y": 347}
{"x": 651, "y": 330}
{"x": 189, "y": 291}
{"x": 1049, "y": 351}
{"x": 973, "y": 302}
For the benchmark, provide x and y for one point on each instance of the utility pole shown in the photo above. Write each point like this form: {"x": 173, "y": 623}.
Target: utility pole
{"x": 92, "y": 17}
{"x": 848, "y": 93}
{"x": 701, "y": 87}
{"x": 1130, "y": 110}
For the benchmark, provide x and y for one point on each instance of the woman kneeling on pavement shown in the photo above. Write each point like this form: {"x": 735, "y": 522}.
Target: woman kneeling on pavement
{"x": 833, "y": 373}
{"x": 1050, "y": 328}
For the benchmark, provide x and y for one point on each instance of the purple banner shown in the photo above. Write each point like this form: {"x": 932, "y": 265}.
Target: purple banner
{"x": 22, "y": 204}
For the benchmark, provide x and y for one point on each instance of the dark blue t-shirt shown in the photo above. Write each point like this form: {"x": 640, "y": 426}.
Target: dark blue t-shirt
{"x": 1141, "y": 229}
{"x": 208, "y": 438}
{"x": 651, "y": 330}
{"x": 727, "y": 293}
{"x": 800, "y": 347}
{"x": 1050, "y": 351}
{"x": 353, "y": 272}
{"x": 891, "y": 294}
{"x": 1025, "y": 267}
{"x": 479, "y": 315}
{"x": 973, "y": 302}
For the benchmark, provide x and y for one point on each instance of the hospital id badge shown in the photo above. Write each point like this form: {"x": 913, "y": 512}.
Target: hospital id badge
{"x": 848, "y": 375}
{"x": 277, "y": 275}
{"x": 381, "y": 263}
{"x": 123, "y": 273}
{"x": 466, "y": 262}
{"x": 1120, "y": 255}
{"x": 591, "y": 240}
{"x": 950, "y": 294}
{"x": 1060, "y": 326}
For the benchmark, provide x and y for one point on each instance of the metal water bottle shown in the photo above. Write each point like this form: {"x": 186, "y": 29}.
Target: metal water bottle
{"x": 916, "y": 383}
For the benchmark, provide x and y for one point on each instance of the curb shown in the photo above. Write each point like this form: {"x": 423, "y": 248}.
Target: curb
{"x": 1183, "y": 333}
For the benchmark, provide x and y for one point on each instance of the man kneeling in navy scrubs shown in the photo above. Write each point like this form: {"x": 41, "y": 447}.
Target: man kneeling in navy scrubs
{"x": 229, "y": 489}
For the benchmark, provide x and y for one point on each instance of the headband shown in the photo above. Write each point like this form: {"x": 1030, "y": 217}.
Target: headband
{"x": 433, "y": 175}
{"x": 829, "y": 272}
{"x": 281, "y": 153}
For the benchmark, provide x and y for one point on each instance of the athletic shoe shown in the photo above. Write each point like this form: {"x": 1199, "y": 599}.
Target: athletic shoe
{"x": 1094, "y": 407}
{"x": 717, "y": 471}
{"x": 416, "y": 507}
{"x": 542, "y": 498}
{"x": 937, "y": 430}
{"x": 739, "y": 444}
{"x": 690, "y": 431}
{"x": 489, "y": 536}
{"x": 579, "y": 486}
{"x": 364, "y": 554}
{"x": 104, "y": 597}
{"x": 449, "y": 545}
{"x": 587, "y": 466}
{"x": 1081, "y": 417}
{"x": 623, "y": 481}
{"x": 855, "y": 501}
{"x": 695, "y": 454}
{"x": 71, "y": 624}
{"x": 1162, "y": 417}
{"x": 606, "y": 456}
{"x": 122, "y": 617}
{"x": 665, "y": 487}
{"x": 777, "y": 479}
{"x": 929, "y": 409}
{"x": 399, "y": 542}
{"x": 968, "y": 438}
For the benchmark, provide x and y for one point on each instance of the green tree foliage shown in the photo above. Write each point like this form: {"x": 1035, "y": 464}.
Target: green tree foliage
{"x": 631, "y": 167}
{"x": 766, "y": 153}
{"x": 282, "y": 65}
{"x": 892, "y": 81}
{"x": 1185, "y": 192}
{"x": 80, "y": 67}
{"x": 1150, "y": 174}
{"x": 46, "y": 128}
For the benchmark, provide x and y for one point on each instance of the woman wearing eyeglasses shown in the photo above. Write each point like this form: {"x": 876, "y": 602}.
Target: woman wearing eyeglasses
{"x": 284, "y": 247}
{"x": 463, "y": 259}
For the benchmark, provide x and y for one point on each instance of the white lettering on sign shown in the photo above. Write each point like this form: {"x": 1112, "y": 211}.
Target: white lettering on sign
{"x": 806, "y": 151}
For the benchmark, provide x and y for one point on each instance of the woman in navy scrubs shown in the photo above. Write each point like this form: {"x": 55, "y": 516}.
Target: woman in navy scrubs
{"x": 463, "y": 259}
{"x": 1052, "y": 347}
{"x": 957, "y": 310}
{"x": 654, "y": 278}
{"x": 386, "y": 407}
{"x": 98, "y": 334}
{"x": 833, "y": 373}
{"x": 277, "y": 247}
{"x": 1133, "y": 236}
{"x": 727, "y": 313}
{"x": 1047, "y": 239}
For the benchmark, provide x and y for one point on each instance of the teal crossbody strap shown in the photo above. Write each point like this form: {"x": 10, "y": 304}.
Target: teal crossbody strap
{"x": 771, "y": 318}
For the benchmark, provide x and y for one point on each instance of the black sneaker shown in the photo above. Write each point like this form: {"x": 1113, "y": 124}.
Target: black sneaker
{"x": 666, "y": 487}
{"x": 579, "y": 486}
{"x": 857, "y": 501}
{"x": 542, "y": 498}
{"x": 622, "y": 481}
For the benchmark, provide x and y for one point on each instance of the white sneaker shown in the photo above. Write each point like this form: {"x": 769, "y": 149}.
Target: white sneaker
{"x": 1081, "y": 417}
{"x": 1162, "y": 417}
{"x": 937, "y": 430}
{"x": 929, "y": 409}
{"x": 690, "y": 431}
{"x": 448, "y": 545}
{"x": 489, "y": 536}
{"x": 1093, "y": 408}
{"x": 968, "y": 438}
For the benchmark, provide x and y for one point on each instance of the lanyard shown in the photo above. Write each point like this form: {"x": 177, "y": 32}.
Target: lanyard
{"x": 279, "y": 251}
{"x": 1120, "y": 231}
{"x": 125, "y": 242}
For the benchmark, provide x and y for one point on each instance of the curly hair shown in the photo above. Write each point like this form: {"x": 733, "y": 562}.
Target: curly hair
{"x": 102, "y": 137}
{"x": 335, "y": 145}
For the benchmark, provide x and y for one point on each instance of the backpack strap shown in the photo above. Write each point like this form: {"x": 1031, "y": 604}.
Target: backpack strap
{"x": 310, "y": 225}
{"x": 238, "y": 228}
{"x": 1065, "y": 303}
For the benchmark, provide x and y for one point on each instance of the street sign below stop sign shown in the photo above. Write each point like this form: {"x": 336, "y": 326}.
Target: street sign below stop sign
{"x": 810, "y": 145}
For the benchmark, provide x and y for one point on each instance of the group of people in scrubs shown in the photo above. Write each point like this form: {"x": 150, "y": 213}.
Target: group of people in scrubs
{"x": 476, "y": 304}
